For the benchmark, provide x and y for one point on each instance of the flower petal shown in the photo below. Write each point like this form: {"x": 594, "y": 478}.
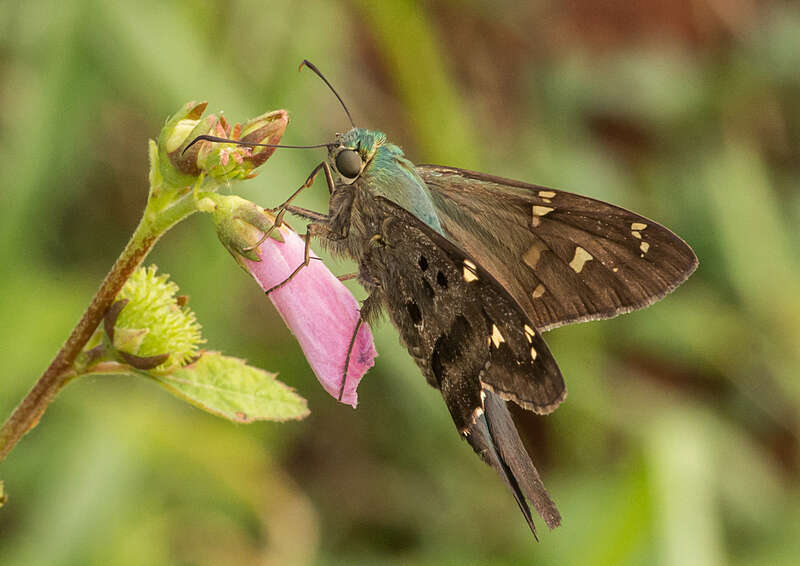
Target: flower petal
{"x": 319, "y": 310}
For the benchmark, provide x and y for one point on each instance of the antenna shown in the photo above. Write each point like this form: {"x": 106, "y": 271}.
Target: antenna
{"x": 310, "y": 65}
{"x": 250, "y": 144}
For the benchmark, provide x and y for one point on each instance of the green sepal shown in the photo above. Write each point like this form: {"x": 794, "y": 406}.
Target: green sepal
{"x": 241, "y": 224}
{"x": 267, "y": 128}
{"x": 177, "y": 169}
{"x": 143, "y": 363}
{"x": 129, "y": 339}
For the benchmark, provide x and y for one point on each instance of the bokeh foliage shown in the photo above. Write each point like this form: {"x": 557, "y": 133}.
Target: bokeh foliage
{"x": 678, "y": 443}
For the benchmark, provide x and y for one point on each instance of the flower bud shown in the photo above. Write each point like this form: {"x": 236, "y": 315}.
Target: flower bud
{"x": 180, "y": 167}
{"x": 267, "y": 128}
{"x": 315, "y": 305}
{"x": 148, "y": 327}
{"x": 230, "y": 161}
{"x": 241, "y": 224}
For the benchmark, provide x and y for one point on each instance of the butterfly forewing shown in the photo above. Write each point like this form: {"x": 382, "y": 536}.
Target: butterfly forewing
{"x": 562, "y": 257}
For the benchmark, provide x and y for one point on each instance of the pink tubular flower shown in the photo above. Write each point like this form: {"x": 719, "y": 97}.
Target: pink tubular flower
{"x": 319, "y": 310}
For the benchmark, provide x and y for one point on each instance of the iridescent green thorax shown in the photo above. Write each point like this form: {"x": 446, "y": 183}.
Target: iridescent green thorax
{"x": 388, "y": 173}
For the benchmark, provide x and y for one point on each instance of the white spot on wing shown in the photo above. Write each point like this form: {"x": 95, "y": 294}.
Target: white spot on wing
{"x": 636, "y": 234}
{"x": 538, "y": 292}
{"x": 579, "y": 259}
{"x": 644, "y": 246}
{"x": 533, "y": 353}
{"x": 547, "y": 194}
{"x": 529, "y": 333}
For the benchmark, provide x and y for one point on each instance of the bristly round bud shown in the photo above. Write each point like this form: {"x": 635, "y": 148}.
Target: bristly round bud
{"x": 153, "y": 328}
{"x": 315, "y": 305}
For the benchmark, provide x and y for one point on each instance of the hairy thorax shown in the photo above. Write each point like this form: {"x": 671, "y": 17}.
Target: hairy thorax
{"x": 356, "y": 222}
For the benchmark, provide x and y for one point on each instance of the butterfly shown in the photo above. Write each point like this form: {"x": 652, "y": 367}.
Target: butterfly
{"x": 472, "y": 268}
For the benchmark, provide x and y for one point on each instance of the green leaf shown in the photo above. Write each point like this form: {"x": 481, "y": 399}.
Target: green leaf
{"x": 230, "y": 388}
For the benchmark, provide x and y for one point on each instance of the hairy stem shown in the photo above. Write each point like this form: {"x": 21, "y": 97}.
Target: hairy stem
{"x": 60, "y": 371}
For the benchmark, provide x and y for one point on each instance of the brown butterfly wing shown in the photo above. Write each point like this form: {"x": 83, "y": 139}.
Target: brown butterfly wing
{"x": 563, "y": 257}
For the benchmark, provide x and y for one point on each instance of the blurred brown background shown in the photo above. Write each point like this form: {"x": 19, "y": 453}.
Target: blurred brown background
{"x": 678, "y": 443}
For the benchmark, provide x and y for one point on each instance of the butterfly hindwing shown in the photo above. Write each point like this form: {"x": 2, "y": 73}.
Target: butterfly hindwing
{"x": 464, "y": 330}
{"x": 471, "y": 341}
{"x": 562, "y": 257}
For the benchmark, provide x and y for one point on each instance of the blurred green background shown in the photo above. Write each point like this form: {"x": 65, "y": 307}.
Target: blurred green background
{"x": 678, "y": 443}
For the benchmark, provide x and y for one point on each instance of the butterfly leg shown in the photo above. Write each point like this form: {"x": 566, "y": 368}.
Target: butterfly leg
{"x": 309, "y": 214}
{"x": 313, "y": 229}
{"x": 369, "y": 304}
{"x": 278, "y": 222}
{"x": 325, "y": 168}
{"x": 296, "y": 210}
{"x": 338, "y": 221}
{"x": 335, "y": 226}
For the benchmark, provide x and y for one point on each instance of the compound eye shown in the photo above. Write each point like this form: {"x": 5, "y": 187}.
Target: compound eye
{"x": 348, "y": 162}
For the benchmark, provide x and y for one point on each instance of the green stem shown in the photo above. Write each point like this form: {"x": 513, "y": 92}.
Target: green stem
{"x": 160, "y": 215}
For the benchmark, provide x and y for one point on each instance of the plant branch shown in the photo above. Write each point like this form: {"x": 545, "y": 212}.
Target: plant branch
{"x": 60, "y": 371}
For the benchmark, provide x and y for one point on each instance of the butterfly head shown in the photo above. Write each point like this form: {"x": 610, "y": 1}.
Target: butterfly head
{"x": 355, "y": 151}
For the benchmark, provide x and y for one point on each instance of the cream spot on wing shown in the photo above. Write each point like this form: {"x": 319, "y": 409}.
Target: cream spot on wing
{"x": 476, "y": 414}
{"x": 470, "y": 271}
{"x": 636, "y": 234}
{"x": 579, "y": 259}
{"x": 644, "y": 246}
{"x": 547, "y": 194}
{"x": 538, "y": 292}
{"x": 533, "y": 353}
{"x": 638, "y": 226}
{"x": 534, "y": 253}
{"x": 538, "y": 212}
{"x": 615, "y": 269}
{"x": 497, "y": 338}
{"x": 529, "y": 333}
